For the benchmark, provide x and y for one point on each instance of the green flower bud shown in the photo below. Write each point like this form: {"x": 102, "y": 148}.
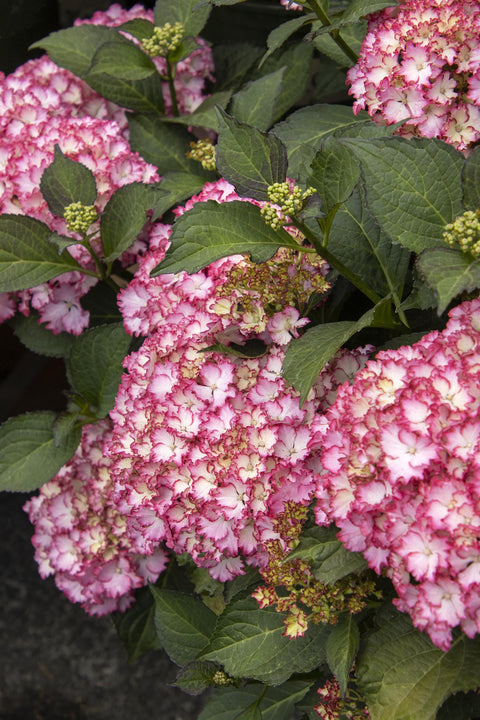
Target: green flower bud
{"x": 164, "y": 41}
{"x": 79, "y": 217}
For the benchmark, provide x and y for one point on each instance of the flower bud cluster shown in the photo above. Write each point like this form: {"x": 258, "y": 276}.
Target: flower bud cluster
{"x": 286, "y": 200}
{"x": 399, "y": 473}
{"x": 80, "y": 535}
{"x": 190, "y": 73}
{"x": 420, "y": 62}
{"x": 164, "y": 41}
{"x": 464, "y": 233}
{"x": 203, "y": 151}
{"x": 79, "y": 217}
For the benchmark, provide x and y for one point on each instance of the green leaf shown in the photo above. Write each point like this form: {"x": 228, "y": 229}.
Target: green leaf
{"x": 136, "y": 626}
{"x": 342, "y": 647}
{"x": 360, "y": 244}
{"x": 205, "y": 116}
{"x": 255, "y": 102}
{"x": 304, "y": 131}
{"x": 186, "y": 12}
{"x": 61, "y": 242}
{"x": 75, "y": 47}
{"x": 461, "y": 707}
{"x": 249, "y": 642}
{"x": 139, "y": 28}
{"x": 412, "y": 187}
{"x": 161, "y": 144}
{"x": 281, "y": 33}
{"x": 307, "y": 356}
{"x": 405, "y": 677}
{"x": 39, "y": 339}
{"x": 124, "y": 74}
{"x": 276, "y": 703}
{"x": 233, "y": 64}
{"x": 124, "y": 216}
{"x": 471, "y": 180}
{"x": 27, "y": 258}
{"x": 248, "y": 158}
{"x": 95, "y": 365}
{"x": 296, "y": 61}
{"x": 351, "y": 33}
{"x": 174, "y": 188}
{"x": 359, "y": 8}
{"x": 195, "y": 677}
{"x": 29, "y": 456}
{"x": 330, "y": 560}
{"x": 252, "y": 712}
{"x": 210, "y": 231}
{"x": 448, "y": 272}
{"x": 65, "y": 181}
{"x": 184, "y": 624}
{"x": 335, "y": 173}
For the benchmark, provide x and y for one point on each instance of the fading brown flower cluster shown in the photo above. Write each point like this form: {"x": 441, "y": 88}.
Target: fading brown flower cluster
{"x": 300, "y": 590}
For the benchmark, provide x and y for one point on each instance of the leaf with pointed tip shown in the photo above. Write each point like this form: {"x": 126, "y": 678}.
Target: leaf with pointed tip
{"x": 279, "y": 35}
{"x": 307, "y": 356}
{"x": 27, "y": 258}
{"x": 405, "y": 677}
{"x": 249, "y": 642}
{"x": 342, "y": 647}
{"x": 255, "y": 102}
{"x": 187, "y": 12}
{"x": 124, "y": 216}
{"x": 184, "y": 624}
{"x": 95, "y": 365}
{"x": 210, "y": 231}
{"x": 136, "y": 626}
{"x": 124, "y": 74}
{"x": 412, "y": 187}
{"x": 75, "y": 47}
{"x": 29, "y": 456}
{"x": 66, "y": 181}
{"x": 248, "y": 158}
{"x": 448, "y": 272}
{"x": 330, "y": 560}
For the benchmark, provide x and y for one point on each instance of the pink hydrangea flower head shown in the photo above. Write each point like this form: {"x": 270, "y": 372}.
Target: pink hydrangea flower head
{"x": 80, "y": 536}
{"x": 420, "y": 63}
{"x": 399, "y": 472}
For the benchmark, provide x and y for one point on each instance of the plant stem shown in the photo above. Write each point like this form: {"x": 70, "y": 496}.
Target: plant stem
{"x": 336, "y": 263}
{"x": 334, "y": 33}
{"x": 171, "y": 85}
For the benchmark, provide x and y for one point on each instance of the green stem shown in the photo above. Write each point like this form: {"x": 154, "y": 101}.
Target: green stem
{"x": 336, "y": 263}
{"x": 334, "y": 33}
{"x": 171, "y": 85}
